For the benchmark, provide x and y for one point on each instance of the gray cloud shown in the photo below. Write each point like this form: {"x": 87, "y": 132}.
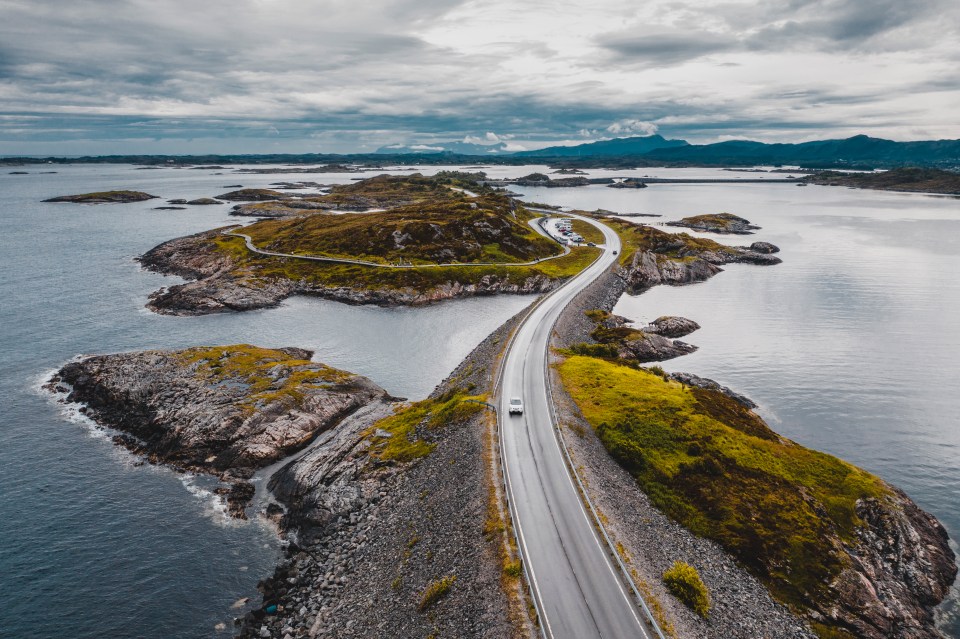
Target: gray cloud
{"x": 338, "y": 74}
{"x": 659, "y": 49}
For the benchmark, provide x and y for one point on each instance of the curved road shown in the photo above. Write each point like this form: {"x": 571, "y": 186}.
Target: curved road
{"x": 577, "y": 589}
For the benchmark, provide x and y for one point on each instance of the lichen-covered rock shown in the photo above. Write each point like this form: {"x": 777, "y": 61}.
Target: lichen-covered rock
{"x": 650, "y": 347}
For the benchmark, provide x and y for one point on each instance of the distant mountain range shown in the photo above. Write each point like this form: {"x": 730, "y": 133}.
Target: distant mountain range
{"x": 858, "y": 151}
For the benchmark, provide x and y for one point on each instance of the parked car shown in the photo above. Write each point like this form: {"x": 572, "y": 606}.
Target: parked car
{"x": 516, "y": 406}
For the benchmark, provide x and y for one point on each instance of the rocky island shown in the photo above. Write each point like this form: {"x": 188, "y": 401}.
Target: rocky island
{"x": 722, "y": 223}
{"x": 651, "y": 257}
{"x": 104, "y": 197}
{"x": 221, "y": 410}
{"x": 909, "y": 180}
{"x": 485, "y": 245}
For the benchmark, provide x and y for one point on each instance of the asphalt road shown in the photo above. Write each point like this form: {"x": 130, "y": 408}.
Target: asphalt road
{"x": 578, "y": 591}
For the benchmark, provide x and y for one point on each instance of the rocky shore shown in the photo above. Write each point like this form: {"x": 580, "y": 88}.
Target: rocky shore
{"x": 226, "y": 411}
{"x": 677, "y": 259}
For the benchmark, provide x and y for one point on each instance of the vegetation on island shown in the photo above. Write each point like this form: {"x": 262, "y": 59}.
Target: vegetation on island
{"x": 484, "y": 229}
{"x": 104, "y": 197}
{"x": 269, "y": 375}
{"x": 916, "y": 180}
{"x": 785, "y": 511}
{"x": 446, "y": 227}
{"x": 717, "y": 223}
{"x": 679, "y": 247}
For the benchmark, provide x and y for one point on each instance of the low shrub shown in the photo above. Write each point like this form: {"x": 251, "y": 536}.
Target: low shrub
{"x": 684, "y": 582}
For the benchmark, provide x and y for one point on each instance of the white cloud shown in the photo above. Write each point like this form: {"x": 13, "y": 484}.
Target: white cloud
{"x": 632, "y": 127}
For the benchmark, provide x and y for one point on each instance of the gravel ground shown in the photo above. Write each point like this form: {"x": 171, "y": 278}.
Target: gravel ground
{"x": 742, "y": 607}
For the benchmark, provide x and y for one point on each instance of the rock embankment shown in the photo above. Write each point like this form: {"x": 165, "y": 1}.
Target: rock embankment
{"x": 222, "y": 284}
{"x": 722, "y": 223}
{"x": 105, "y": 197}
{"x": 223, "y": 410}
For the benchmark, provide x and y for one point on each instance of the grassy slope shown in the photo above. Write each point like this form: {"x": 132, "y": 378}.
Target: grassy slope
{"x": 673, "y": 246}
{"x": 442, "y": 220}
{"x": 365, "y": 277}
{"x": 716, "y": 468}
{"x": 404, "y": 436}
{"x": 588, "y": 232}
{"x": 461, "y": 230}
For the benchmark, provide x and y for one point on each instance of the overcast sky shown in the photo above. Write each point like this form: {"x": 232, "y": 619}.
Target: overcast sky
{"x": 172, "y": 76}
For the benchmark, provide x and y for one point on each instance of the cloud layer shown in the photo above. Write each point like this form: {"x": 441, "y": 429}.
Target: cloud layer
{"x": 114, "y": 76}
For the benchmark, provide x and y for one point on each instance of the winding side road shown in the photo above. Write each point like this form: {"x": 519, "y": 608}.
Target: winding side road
{"x": 343, "y": 260}
{"x": 576, "y": 586}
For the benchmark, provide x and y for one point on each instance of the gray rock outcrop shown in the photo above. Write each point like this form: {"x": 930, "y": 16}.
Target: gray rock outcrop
{"x": 225, "y": 411}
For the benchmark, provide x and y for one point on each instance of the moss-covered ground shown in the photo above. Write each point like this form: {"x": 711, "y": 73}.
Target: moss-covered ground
{"x": 405, "y": 435}
{"x": 436, "y": 232}
{"x": 717, "y": 468}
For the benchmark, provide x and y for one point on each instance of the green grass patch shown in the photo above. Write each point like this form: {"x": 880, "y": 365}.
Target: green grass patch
{"x": 403, "y": 437}
{"x": 684, "y": 582}
{"x": 588, "y": 231}
{"x": 428, "y": 232}
{"x": 372, "y": 278}
{"x": 715, "y": 467}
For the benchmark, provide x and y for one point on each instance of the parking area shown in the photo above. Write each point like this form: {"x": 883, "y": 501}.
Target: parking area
{"x": 561, "y": 229}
